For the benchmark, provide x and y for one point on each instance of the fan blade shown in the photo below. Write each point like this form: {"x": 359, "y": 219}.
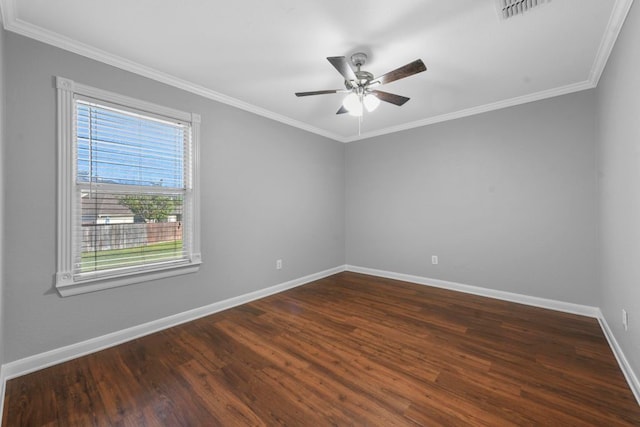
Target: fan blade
{"x": 342, "y": 110}
{"x": 343, "y": 67}
{"x": 319, "y": 92}
{"x": 410, "y": 69}
{"x": 390, "y": 97}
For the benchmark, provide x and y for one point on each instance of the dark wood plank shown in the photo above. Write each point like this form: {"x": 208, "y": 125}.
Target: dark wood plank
{"x": 349, "y": 349}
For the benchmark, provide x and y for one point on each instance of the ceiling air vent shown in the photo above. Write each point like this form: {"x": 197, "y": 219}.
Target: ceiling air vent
{"x": 511, "y": 8}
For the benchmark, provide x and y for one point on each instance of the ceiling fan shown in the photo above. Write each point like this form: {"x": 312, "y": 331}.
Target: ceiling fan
{"x": 359, "y": 84}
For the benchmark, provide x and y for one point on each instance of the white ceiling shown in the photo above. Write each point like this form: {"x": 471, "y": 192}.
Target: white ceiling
{"x": 255, "y": 54}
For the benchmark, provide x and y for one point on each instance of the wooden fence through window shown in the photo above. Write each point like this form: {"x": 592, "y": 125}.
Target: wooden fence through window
{"x": 102, "y": 237}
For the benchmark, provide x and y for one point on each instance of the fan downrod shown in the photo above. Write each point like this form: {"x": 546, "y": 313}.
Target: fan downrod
{"x": 358, "y": 59}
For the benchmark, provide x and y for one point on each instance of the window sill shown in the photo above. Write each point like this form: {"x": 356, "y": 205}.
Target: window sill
{"x": 70, "y": 287}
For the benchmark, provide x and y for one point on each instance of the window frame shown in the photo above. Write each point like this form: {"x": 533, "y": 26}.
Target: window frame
{"x": 65, "y": 281}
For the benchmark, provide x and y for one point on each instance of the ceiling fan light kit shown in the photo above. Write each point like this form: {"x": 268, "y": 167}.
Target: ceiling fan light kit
{"x": 353, "y": 104}
{"x": 355, "y": 101}
{"x": 371, "y": 102}
{"x": 359, "y": 84}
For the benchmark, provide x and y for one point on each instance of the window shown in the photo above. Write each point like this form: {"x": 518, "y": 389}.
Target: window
{"x": 127, "y": 190}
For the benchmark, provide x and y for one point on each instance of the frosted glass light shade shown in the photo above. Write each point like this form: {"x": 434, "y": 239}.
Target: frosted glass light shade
{"x": 353, "y": 105}
{"x": 371, "y": 102}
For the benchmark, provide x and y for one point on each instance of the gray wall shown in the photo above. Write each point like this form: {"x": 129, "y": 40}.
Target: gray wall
{"x": 2, "y": 127}
{"x": 619, "y": 153}
{"x": 268, "y": 191}
{"x": 506, "y": 199}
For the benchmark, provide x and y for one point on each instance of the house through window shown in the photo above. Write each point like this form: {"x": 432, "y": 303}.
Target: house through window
{"x": 128, "y": 174}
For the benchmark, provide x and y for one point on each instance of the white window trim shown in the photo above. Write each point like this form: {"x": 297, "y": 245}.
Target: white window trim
{"x": 66, "y": 284}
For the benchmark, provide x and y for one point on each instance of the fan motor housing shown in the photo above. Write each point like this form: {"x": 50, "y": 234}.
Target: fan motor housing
{"x": 364, "y": 77}
{"x": 358, "y": 59}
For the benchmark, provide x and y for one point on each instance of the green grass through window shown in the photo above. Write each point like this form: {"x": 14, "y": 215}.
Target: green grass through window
{"x": 115, "y": 258}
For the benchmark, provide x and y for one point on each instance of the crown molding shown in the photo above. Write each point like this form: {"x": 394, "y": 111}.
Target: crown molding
{"x": 14, "y": 24}
{"x": 618, "y": 15}
{"x": 537, "y": 96}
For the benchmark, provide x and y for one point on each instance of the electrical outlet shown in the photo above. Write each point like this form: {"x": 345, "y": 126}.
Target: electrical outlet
{"x": 278, "y": 264}
{"x": 625, "y": 319}
{"x": 434, "y": 259}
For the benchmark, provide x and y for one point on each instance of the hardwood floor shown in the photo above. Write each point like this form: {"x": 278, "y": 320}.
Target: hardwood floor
{"x": 346, "y": 350}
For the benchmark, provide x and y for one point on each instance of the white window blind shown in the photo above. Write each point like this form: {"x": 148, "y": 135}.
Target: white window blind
{"x": 132, "y": 184}
{"x": 131, "y": 208}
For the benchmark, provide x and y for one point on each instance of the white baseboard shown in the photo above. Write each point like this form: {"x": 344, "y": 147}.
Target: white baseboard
{"x": 3, "y": 387}
{"x": 583, "y": 310}
{"x": 567, "y": 307}
{"x": 631, "y": 377}
{"x": 53, "y": 357}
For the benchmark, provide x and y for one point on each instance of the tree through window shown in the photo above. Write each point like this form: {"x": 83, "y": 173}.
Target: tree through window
{"x": 132, "y": 190}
